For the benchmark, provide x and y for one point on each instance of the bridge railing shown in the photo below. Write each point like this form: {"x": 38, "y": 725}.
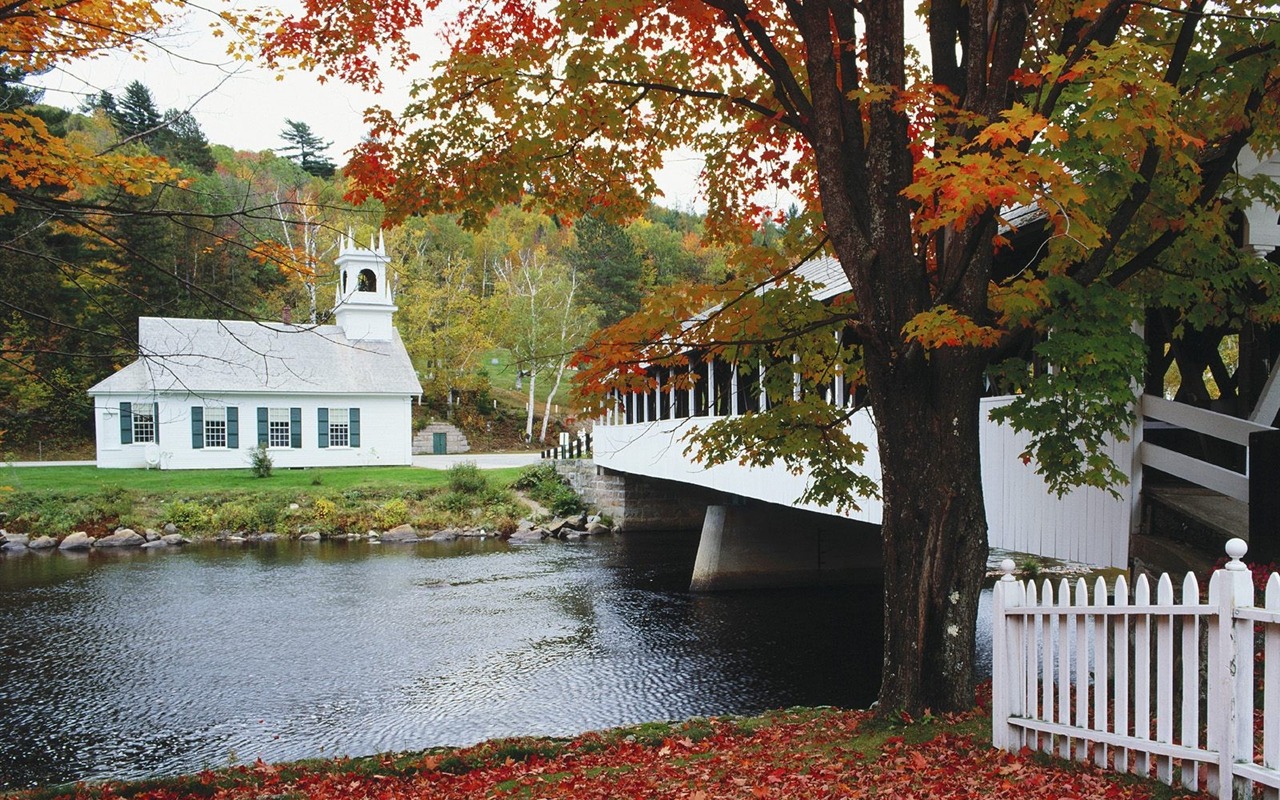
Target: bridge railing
{"x": 1255, "y": 485}
{"x": 574, "y": 447}
{"x": 1208, "y": 423}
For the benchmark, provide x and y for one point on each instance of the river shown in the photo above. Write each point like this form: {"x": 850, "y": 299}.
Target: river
{"x": 124, "y": 665}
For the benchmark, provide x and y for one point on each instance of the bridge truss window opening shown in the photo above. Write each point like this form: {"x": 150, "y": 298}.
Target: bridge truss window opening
{"x": 748, "y": 387}
{"x": 701, "y": 387}
{"x": 722, "y": 381}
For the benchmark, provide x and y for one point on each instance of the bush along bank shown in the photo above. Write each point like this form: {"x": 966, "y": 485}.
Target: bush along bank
{"x": 467, "y": 505}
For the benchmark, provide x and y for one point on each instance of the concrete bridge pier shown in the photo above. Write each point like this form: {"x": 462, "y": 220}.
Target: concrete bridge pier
{"x": 762, "y": 545}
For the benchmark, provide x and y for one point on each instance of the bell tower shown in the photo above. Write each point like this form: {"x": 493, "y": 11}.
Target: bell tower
{"x": 363, "y": 305}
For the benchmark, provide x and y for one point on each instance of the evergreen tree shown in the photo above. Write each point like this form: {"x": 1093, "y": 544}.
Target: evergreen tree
{"x": 135, "y": 114}
{"x": 13, "y": 93}
{"x": 183, "y": 142}
{"x": 608, "y": 258}
{"x": 306, "y": 149}
{"x": 102, "y": 101}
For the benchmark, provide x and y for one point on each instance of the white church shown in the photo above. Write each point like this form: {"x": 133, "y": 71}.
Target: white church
{"x": 204, "y": 392}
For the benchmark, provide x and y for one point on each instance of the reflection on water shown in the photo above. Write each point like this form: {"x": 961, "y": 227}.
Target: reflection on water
{"x": 123, "y": 665}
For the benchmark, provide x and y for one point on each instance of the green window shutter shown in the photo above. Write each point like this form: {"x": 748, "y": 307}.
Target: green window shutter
{"x": 155, "y": 420}
{"x": 355, "y": 426}
{"x": 262, "y": 426}
{"x": 126, "y": 423}
{"x": 233, "y": 427}
{"x": 322, "y": 426}
{"x": 295, "y": 427}
{"x": 197, "y": 427}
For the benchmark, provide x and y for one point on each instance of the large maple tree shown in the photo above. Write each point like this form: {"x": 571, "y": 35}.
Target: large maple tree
{"x": 1115, "y": 123}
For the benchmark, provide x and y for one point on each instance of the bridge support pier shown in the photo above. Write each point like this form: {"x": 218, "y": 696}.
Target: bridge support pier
{"x": 761, "y": 545}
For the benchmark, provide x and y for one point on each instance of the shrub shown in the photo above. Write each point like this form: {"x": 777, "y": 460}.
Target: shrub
{"x": 260, "y": 462}
{"x": 49, "y": 514}
{"x": 323, "y": 508}
{"x": 390, "y": 514}
{"x": 535, "y": 474}
{"x": 233, "y": 517}
{"x": 455, "y": 502}
{"x": 545, "y": 485}
{"x": 266, "y": 513}
{"x": 189, "y": 515}
{"x": 466, "y": 478}
{"x": 560, "y": 499}
{"x": 111, "y": 502}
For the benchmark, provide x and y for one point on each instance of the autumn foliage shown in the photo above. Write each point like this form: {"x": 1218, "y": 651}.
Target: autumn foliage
{"x": 801, "y": 754}
{"x": 1049, "y": 167}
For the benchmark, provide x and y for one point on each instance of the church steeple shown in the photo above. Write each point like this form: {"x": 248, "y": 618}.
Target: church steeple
{"x": 363, "y": 305}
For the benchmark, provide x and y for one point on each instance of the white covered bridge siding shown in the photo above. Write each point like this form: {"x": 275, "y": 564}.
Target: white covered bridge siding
{"x": 643, "y": 436}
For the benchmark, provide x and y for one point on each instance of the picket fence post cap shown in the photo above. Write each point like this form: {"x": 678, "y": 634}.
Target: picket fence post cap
{"x": 1236, "y": 548}
{"x": 1007, "y": 566}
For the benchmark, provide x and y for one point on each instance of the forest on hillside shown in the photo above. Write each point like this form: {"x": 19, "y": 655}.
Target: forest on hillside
{"x": 247, "y": 235}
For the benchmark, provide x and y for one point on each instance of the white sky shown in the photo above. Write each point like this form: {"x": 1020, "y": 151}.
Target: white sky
{"x": 245, "y": 106}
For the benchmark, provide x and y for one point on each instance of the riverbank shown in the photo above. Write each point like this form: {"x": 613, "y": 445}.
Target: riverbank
{"x": 820, "y": 752}
{"x": 50, "y": 503}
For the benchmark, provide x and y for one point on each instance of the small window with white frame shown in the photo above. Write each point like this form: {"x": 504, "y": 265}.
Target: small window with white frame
{"x": 339, "y": 427}
{"x": 278, "y": 428}
{"x": 215, "y": 427}
{"x": 144, "y": 423}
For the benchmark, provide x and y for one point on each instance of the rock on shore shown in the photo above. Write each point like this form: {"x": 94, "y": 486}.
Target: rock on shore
{"x": 123, "y": 537}
{"x": 76, "y": 541}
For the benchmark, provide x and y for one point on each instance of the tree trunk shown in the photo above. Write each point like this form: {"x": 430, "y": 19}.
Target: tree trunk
{"x": 934, "y": 530}
{"x": 546, "y": 409}
{"x": 533, "y": 401}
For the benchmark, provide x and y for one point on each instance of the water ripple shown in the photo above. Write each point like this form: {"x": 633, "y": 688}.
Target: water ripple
{"x": 126, "y": 665}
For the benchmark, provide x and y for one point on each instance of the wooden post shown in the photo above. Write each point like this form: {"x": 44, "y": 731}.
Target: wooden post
{"x": 1264, "y": 500}
{"x": 1007, "y": 673}
{"x": 733, "y": 390}
{"x": 1230, "y": 669}
{"x": 711, "y": 386}
{"x": 693, "y": 398}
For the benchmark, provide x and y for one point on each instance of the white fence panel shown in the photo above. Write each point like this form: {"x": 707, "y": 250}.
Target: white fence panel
{"x": 1136, "y": 664}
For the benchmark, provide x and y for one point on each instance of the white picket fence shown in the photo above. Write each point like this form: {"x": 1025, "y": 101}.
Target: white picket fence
{"x": 1165, "y": 688}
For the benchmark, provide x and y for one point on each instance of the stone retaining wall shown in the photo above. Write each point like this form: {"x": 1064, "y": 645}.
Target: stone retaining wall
{"x": 455, "y": 439}
{"x": 638, "y": 503}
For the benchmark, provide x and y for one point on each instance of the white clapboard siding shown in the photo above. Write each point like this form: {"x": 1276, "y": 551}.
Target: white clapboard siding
{"x": 1135, "y": 662}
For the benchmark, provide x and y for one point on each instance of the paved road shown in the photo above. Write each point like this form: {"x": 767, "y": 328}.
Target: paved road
{"x": 481, "y": 460}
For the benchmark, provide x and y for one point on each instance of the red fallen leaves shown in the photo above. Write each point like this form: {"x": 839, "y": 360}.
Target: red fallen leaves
{"x": 807, "y": 754}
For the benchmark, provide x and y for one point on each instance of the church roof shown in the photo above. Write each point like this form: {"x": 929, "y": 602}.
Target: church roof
{"x": 206, "y": 356}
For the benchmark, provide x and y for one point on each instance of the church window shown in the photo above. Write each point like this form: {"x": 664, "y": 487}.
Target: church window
{"x": 278, "y": 428}
{"x": 215, "y": 427}
{"x": 144, "y": 422}
{"x": 339, "y": 428}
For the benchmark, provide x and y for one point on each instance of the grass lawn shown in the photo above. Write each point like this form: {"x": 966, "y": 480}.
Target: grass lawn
{"x": 189, "y": 482}
{"x": 502, "y": 376}
{"x": 798, "y": 753}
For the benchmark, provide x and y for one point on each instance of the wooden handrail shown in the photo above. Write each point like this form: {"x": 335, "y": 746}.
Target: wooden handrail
{"x": 1211, "y": 423}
